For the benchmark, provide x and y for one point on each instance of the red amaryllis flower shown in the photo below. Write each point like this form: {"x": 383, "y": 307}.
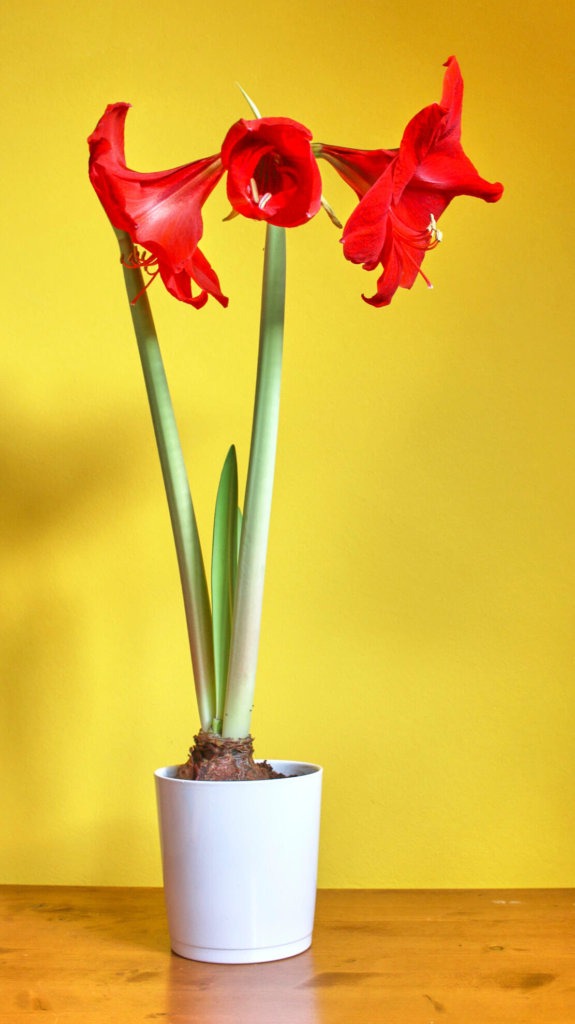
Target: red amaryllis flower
{"x": 272, "y": 172}
{"x": 161, "y": 211}
{"x": 404, "y": 192}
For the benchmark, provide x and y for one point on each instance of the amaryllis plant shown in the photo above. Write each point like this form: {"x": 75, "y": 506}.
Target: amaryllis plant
{"x": 271, "y": 173}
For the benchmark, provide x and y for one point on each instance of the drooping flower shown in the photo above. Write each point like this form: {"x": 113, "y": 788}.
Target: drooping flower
{"x": 403, "y": 192}
{"x": 272, "y": 172}
{"x": 161, "y": 211}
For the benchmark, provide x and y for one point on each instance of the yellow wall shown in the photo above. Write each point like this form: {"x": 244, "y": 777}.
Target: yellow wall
{"x": 417, "y": 635}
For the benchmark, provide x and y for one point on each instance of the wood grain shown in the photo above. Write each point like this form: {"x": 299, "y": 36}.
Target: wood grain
{"x": 87, "y": 955}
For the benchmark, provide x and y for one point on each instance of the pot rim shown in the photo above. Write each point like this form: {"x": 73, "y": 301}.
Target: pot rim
{"x": 167, "y": 774}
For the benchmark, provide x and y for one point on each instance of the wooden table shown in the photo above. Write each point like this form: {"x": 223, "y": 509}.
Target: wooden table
{"x": 101, "y": 956}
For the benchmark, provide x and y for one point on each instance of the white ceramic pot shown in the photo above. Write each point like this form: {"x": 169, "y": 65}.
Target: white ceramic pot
{"x": 240, "y": 863}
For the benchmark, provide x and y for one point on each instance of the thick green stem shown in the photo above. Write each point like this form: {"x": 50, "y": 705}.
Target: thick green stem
{"x": 184, "y": 526}
{"x": 257, "y": 506}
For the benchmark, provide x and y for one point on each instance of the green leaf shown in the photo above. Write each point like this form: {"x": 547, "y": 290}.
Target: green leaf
{"x": 224, "y": 568}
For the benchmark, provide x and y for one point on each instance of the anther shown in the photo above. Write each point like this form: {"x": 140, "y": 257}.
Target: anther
{"x": 435, "y": 233}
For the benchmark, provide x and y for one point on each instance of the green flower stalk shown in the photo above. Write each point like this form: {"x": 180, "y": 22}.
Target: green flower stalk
{"x": 257, "y": 508}
{"x": 182, "y": 515}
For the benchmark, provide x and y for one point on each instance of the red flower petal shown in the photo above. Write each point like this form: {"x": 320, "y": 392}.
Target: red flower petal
{"x": 431, "y": 153}
{"x": 366, "y": 230}
{"x": 395, "y": 222}
{"x": 161, "y": 211}
{"x": 272, "y": 172}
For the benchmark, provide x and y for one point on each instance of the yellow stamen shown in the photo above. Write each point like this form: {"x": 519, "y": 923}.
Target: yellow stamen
{"x": 436, "y": 235}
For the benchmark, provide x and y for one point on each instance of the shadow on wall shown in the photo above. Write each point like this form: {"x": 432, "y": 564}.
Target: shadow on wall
{"x": 66, "y": 495}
